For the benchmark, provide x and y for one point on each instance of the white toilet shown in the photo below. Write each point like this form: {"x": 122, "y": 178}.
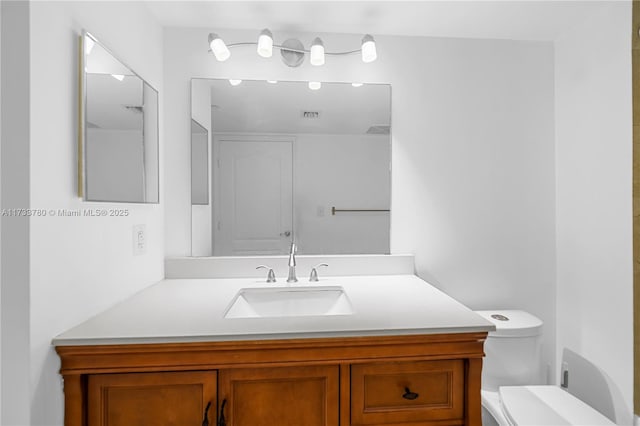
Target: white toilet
{"x": 512, "y": 393}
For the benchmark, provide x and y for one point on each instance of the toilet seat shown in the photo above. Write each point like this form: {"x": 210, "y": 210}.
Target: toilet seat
{"x": 546, "y": 405}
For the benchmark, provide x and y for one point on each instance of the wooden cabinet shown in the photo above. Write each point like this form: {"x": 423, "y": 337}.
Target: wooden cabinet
{"x": 415, "y": 380}
{"x": 286, "y": 396}
{"x": 176, "y": 398}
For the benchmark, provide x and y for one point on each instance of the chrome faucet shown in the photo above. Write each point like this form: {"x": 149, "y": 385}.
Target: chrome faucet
{"x": 292, "y": 264}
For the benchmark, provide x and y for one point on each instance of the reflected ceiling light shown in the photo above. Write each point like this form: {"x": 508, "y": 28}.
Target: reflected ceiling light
{"x": 292, "y": 50}
{"x": 272, "y": 81}
{"x": 88, "y": 44}
{"x": 234, "y": 82}
{"x": 118, "y": 77}
{"x": 265, "y": 44}
{"x": 219, "y": 49}
{"x": 316, "y": 56}
{"x": 357, "y": 84}
{"x": 369, "y": 53}
{"x": 315, "y": 85}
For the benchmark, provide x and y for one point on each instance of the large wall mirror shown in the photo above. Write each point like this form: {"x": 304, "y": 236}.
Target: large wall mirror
{"x": 288, "y": 162}
{"x": 118, "y": 149}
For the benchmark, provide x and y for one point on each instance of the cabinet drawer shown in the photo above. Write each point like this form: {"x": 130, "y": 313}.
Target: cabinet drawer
{"x": 405, "y": 392}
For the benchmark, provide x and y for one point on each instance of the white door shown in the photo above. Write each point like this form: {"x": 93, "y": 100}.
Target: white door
{"x": 255, "y": 197}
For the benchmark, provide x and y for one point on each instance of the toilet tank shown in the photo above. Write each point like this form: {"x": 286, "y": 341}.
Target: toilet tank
{"x": 513, "y": 351}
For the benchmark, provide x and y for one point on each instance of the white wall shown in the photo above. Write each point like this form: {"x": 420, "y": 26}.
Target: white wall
{"x": 594, "y": 193}
{"x": 15, "y": 170}
{"x": 79, "y": 265}
{"x": 473, "y": 154}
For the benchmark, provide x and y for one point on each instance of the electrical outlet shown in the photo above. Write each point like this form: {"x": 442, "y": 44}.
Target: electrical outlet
{"x": 139, "y": 239}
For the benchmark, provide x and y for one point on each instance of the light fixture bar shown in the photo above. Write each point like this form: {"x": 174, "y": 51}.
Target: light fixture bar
{"x": 281, "y": 47}
{"x": 265, "y": 46}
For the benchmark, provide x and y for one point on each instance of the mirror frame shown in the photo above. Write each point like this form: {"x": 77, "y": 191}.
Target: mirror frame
{"x": 82, "y": 127}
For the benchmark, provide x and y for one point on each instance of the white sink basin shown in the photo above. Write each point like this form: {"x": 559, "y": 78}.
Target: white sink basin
{"x": 289, "y": 302}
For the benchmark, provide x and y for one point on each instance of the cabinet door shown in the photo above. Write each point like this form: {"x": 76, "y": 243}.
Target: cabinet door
{"x": 292, "y": 396}
{"x": 158, "y": 399}
{"x": 404, "y": 392}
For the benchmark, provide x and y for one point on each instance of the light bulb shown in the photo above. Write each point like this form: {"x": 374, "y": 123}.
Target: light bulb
{"x": 317, "y": 52}
{"x": 368, "y": 49}
{"x": 219, "y": 49}
{"x": 357, "y": 84}
{"x": 265, "y": 44}
{"x": 234, "y": 82}
{"x": 118, "y": 77}
{"x": 272, "y": 81}
{"x": 315, "y": 85}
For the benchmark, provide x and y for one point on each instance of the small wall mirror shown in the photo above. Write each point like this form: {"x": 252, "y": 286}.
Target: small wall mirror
{"x": 292, "y": 162}
{"x": 118, "y": 141}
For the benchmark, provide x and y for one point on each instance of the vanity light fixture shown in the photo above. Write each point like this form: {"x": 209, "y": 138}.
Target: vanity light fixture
{"x": 292, "y": 50}
{"x": 265, "y": 44}
{"x": 218, "y": 47}
{"x": 315, "y": 85}
{"x": 316, "y": 56}
{"x": 234, "y": 82}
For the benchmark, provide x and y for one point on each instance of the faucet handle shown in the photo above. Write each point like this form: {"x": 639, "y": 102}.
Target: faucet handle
{"x": 314, "y": 273}
{"x": 271, "y": 276}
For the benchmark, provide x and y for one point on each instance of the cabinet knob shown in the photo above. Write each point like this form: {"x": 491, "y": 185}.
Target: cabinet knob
{"x": 409, "y": 395}
{"x": 205, "y": 420}
{"x": 221, "y": 420}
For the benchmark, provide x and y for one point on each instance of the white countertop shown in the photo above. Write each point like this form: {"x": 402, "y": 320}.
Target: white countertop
{"x": 192, "y": 310}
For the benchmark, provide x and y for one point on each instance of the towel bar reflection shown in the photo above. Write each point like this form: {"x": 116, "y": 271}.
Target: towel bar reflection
{"x": 334, "y": 210}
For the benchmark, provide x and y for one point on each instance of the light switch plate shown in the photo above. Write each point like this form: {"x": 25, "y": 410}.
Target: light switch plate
{"x": 139, "y": 239}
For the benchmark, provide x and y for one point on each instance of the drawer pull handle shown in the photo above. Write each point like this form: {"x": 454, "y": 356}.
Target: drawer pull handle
{"x": 410, "y": 395}
{"x": 205, "y": 421}
{"x": 221, "y": 420}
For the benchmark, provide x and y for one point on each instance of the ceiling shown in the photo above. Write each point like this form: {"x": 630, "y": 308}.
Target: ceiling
{"x": 542, "y": 20}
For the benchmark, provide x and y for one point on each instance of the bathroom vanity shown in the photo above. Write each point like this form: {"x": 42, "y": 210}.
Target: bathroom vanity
{"x": 402, "y": 353}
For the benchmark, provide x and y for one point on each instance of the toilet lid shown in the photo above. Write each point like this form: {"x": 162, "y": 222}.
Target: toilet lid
{"x": 547, "y": 405}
